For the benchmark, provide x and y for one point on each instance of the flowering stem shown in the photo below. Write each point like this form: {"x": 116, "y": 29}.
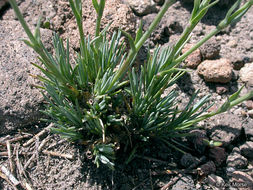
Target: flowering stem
{"x": 139, "y": 44}
{"x": 99, "y": 16}
{"x": 196, "y": 46}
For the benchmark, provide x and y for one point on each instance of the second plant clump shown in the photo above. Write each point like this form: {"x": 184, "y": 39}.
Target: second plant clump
{"x": 92, "y": 102}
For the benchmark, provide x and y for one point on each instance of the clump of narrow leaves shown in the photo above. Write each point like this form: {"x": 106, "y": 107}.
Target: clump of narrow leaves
{"x": 90, "y": 100}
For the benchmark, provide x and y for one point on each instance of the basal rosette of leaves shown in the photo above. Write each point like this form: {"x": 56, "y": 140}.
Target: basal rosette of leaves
{"x": 91, "y": 101}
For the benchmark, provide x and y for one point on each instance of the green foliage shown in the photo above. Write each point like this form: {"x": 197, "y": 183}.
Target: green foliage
{"x": 92, "y": 102}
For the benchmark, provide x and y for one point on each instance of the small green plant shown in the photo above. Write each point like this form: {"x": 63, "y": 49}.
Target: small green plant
{"x": 92, "y": 102}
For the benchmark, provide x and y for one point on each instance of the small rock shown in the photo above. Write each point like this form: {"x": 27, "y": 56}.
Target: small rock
{"x": 249, "y": 104}
{"x": 142, "y": 7}
{"x": 247, "y": 149}
{"x": 246, "y": 73}
{"x": 210, "y": 49}
{"x": 194, "y": 59}
{"x": 236, "y": 160}
{"x": 241, "y": 179}
{"x": 186, "y": 183}
{"x": 219, "y": 71}
{"x": 188, "y": 160}
{"x": 221, "y": 89}
{"x": 217, "y": 154}
{"x": 215, "y": 180}
{"x": 207, "y": 168}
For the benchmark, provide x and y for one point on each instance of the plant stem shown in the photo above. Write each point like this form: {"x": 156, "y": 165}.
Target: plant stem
{"x": 99, "y": 17}
{"x": 196, "y": 46}
{"x": 139, "y": 44}
{"x": 184, "y": 36}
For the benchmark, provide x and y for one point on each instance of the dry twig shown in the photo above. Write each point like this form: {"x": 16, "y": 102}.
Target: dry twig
{"x": 38, "y": 135}
{"x": 8, "y": 181}
{"x": 10, "y": 156}
{"x": 15, "y": 139}
{"x": 4, "y": 154}
{"x": 68, "y": 156}
{"x": 171, "y": 182}
{"x": 9, "y": 175}
{"x": 42, "y": 144}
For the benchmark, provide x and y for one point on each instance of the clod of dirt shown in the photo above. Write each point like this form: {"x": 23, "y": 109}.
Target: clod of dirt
{"x": 219, "y": 71}
{"x": 20, "y": 103}
{"x": 217, "y": 154}
{"x": 249, "y": 104}
{"x": 246, "y": 73}
{"x": 210, "y": 49}
{"x": 221, "y": 88}
{"x": 236, "y": 160}
{"x": 142, "y": 7}
{"x": 194, "y": 59}
{"x": 247, "y": 149}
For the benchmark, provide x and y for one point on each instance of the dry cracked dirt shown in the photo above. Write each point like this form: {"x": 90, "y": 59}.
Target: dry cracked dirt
{"x": 219, "y": 68}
